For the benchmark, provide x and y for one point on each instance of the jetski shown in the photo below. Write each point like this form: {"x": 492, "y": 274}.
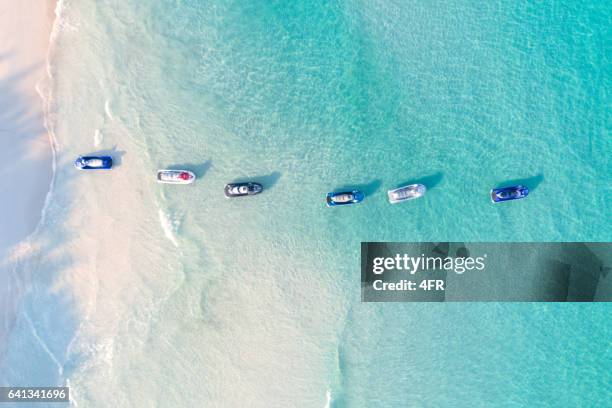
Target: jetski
{"x": 94, "y": 163}
{"x": 409, "y": 192}
{"x": 344, "y": 198}
{"x": 175, "y": 176}
{"x": 509, "y": 193}
{"x": 242, "y": 189}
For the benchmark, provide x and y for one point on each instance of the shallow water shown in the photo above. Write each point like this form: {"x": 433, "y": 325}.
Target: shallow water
{"x": 174, "y": 295}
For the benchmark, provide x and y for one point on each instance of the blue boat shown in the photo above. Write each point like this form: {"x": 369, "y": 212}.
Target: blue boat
{"x": 94, "y": 163}
{"x": 509, "y": 193}
{"x": 344, "y": 198}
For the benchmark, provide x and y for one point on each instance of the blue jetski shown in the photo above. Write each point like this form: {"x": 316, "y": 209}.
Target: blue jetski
{"x": 344, "y": 198}
{"x": 94, "y": 163}
{"x": 509, "y": 193}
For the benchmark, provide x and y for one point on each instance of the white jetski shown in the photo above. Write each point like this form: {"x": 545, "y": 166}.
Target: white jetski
{"x": 175, "y": 176}
{"x": 406, "y": 193}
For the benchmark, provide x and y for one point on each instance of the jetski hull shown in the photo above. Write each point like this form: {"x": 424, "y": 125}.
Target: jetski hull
{"x": 406, "y": 193}
{"x": 234, "y": 189}
{"x": 87, "y": 163}
{"x": 510, "y": 193}
{"x": 344, "y": 198}
{"x": 175, "y": 176}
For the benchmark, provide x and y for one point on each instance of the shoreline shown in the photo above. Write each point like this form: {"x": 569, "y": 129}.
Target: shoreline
{"x": 26, "y": 151}
{"x": 26, "y": 145}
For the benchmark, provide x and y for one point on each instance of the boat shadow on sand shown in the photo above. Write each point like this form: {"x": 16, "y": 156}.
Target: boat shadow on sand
{"x": 198, "y": 169}
{"x": 113, "y": 152}
{"x": 530, "y": 182}
{"x": 367, "y": 189}
{"x": 430, "y": 181}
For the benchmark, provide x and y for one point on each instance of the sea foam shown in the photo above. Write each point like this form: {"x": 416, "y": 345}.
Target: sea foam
{"x": 169, "y": 225}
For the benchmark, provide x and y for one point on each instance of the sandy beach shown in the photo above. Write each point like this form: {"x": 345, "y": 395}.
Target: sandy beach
{"x": 25, "y": 148}
{"x": 136, "y": 293}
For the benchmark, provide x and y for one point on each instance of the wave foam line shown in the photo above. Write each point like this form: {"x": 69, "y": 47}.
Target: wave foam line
{"x": 98, "y": 137}
{"x": 107, "y": 109}
{"x": 168, "y": 226}
{"x": 328, "y": 399}
{"x": 60, "y": 367}
{"x": 47, "y": 98}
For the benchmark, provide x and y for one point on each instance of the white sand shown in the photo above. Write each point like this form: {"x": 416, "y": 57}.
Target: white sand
{"x": 25, "y": 150}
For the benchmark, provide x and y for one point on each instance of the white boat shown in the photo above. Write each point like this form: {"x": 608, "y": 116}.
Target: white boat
{"x": 405, "y": 193}
{"x": 175, "y": 176}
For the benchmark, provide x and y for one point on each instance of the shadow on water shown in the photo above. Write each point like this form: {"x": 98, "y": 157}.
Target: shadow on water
{"x": 368, "y": 189}
{"x": 198, "y": 169}
{"x": 428, "y": 181}
{"x": 530, "y": 182}
{"x": 266, "y": 180}
{"x": 117, "y": 155}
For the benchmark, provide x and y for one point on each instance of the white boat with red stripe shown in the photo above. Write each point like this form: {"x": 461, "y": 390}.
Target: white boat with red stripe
{"x": 169, "y": 176}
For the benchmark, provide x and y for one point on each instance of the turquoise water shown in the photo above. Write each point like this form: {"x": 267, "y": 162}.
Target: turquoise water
{"x": 184, "y": 297}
